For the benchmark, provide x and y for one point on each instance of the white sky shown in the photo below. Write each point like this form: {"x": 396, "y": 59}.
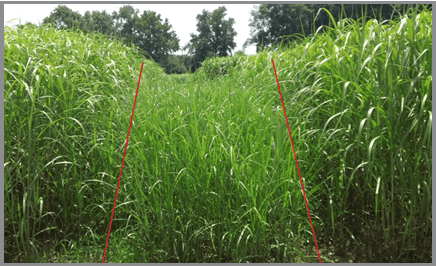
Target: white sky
{"x": 182, "y": 17}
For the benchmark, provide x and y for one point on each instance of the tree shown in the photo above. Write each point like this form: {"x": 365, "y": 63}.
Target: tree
{"x": 147, "y": 32}
{"x": 156, "y": 37}
{"x": 200, "y": 45}
{"x": 63, "y": 17}
{"x": 222, "y": 33}
{"x": 240, "y": 53}
{"x": 175, "y": 64}
{"x": 215, "y": 35}
{"x": 97, "y": 21}
{"x": 269, "y": 23}
{"x": 125, "y": 21}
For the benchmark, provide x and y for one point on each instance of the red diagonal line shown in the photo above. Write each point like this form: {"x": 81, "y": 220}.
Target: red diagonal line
{"x": 122, "y": 164}
{"x": 301, "y": 180}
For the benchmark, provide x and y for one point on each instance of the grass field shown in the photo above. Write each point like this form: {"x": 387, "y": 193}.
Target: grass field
{"x": 209, "y": 173}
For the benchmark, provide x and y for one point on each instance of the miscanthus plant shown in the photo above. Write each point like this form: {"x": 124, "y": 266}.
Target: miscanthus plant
{"x": 361, "y": 97}
{"x": 66, "y": 95}
{"x": 209, "y": 174}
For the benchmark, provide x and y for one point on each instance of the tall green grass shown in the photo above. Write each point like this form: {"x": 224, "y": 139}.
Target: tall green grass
{"x": 361, "y": 95}
{"x": 209, "y": 174}
{"x": 65, "y": 101}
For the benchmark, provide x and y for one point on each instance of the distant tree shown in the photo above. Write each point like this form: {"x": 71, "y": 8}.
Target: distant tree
{"x": 200, "y": 44}
{"x": 63, "y": 17}
{"x": 189, "y": 62}
{"x": 97, "y": 21}
{"x": 156, "y": 37}
{"x": 147, "y": 32}
{"x": 215, "y": 36}
{"x": 125, "y": 21}
{"x": 223, "y": 33}
{"x": 175, "y": 64}
{"x": 269, "y": 23}
{"x": 240, "y": 53}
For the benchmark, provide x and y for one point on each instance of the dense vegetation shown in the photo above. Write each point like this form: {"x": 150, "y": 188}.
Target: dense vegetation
{"x": 209, "y": 174}
{"x": 270, "y": 25}
{"x": 154, "y": 37}
{"x": 215, "y": 36}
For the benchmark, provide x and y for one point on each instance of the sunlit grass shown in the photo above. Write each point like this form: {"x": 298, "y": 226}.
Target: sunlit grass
{"x": 209, "y": 174}
{"x": 361, "y": 95}
{"x": 65, "y": 99}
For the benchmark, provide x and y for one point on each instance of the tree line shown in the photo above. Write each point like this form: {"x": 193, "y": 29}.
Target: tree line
{"x": 270, "y": 25}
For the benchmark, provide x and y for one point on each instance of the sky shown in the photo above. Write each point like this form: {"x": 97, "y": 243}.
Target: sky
{"x": 182, "y": 17}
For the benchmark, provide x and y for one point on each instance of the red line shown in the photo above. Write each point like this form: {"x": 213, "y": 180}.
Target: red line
{"x": 301, "y": 180}
{"x": 122, "y": 164}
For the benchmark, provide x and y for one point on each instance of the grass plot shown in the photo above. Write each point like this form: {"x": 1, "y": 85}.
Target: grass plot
{"x": 209, "y": 174}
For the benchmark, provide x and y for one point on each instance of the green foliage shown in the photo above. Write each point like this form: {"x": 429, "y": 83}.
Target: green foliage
{"x": 215, "y": 38}
{"x": 271, "y": 24}
{"x": 209, "y": 174}
{"x": 63, "y": 17}
{"x": 240, "y": 53}
{"x": 27, "y": 24}
{"x": 147, "y": 31}
{"x": 189, "y": 62}
{"x": 97, "y": 22}
{"x": 221, "y": 67}
{"x": 175, "y": 64}
{"x": 66, "y": 97}
{"x": 178, "y": 64}
{"x": 359, "y": 96}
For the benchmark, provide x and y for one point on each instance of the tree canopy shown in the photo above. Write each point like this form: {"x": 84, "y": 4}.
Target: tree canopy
{"x": 215, "y": 35}
{"x": 63, "y": 17}
{"x": 97, "y": 22}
